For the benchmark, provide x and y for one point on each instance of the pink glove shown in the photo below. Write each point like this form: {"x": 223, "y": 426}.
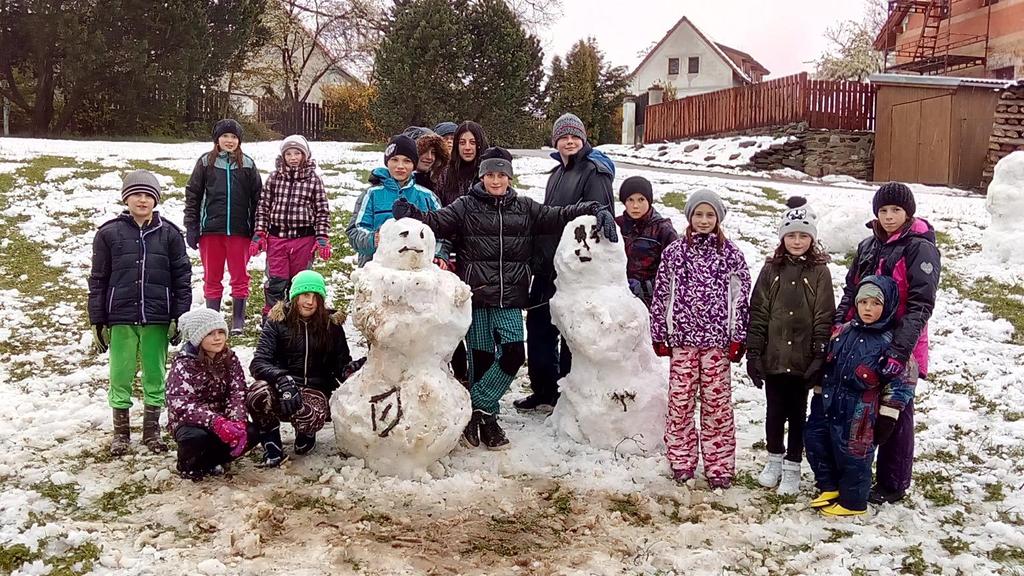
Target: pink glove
{"x": 243, "y": 441}
{"x": 258, "y": 244}
{"x": 442, "y": 264}
{"x": 231, "y": 433}
{"x": 322, "y": 248}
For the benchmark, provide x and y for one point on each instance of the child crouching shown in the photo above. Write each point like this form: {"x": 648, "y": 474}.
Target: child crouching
{"x": 856, "y": 408}
{"x": 206, "y": 398}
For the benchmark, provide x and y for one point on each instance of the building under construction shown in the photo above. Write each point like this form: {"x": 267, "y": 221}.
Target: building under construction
{"x": 973, "y": 38}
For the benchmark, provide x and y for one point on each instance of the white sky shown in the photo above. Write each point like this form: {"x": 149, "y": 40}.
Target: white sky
{"x": 783, "y": 35}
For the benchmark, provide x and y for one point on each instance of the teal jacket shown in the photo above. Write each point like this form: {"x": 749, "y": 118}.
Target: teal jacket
{"x": 373, "y": 209}
{"x": 222, "y": 199}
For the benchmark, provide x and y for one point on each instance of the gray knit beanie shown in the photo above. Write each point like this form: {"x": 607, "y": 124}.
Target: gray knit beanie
{"x": 140, "y": 181}
{"x": 195, "y": 325}
{"x": 799, "y": 218}
{"x": 869, "y": 290}
{"x": 568, "y": 125}
{"x": 295, "y": 142}
{"x": 704, "y": 196}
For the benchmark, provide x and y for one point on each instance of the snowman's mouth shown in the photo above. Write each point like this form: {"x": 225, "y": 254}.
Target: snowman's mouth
{"x": 410, "y": 249}
{"x": 585, "y": 258}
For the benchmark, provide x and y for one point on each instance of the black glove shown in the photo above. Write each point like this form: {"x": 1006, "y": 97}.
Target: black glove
{"x": 402, "y": 208}
{"x": 606, "y": 222}
{"x": 884, "y": 426}
{"x": 814, "y": 372}
{"x": 289, "y": 397}
{"x": 192, "y": 238}
{"x": 173, "y": 336}
{"x": 755, "y": 370}
{"x": 100, "y": 334}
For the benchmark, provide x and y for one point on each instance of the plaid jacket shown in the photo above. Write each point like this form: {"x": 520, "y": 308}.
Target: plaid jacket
{"x": 293, "y": 203}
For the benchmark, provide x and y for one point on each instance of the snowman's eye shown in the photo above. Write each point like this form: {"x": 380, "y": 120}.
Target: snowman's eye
{"x": 404, "y": 234}
{"x": 421, "y": 235}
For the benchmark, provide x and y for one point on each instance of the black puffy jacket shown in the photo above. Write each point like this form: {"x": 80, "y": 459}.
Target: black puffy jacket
{"x": 587, "y": 177}
{"x": 278, "y": 354}
{"x": 494, "y": 238}
{"x": 222, "y": 199}
{"x": 139, "y": 275}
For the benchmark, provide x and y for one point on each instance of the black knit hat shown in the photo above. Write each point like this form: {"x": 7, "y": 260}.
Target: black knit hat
{"x": 227, "y": 126}
{"x": 496, "y": 159}
{"x": 401, "y": 145}
{"x": 636, "y": 185}
{"x": 894, "y": 194}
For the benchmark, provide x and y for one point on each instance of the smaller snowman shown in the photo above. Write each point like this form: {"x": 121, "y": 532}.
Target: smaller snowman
{"x": 403, "y": 411}
{"x": 616, "y": 395}
{"x": 1005, "y": 202}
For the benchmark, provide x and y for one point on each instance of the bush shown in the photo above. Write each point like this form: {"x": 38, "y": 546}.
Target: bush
{"x": 347, "y": 107}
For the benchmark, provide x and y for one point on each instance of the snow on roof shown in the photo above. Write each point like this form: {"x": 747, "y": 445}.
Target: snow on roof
{"x": 949, "y": 81}
{"x": 718, "y": 50}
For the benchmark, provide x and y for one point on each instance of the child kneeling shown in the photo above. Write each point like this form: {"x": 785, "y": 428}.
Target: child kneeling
{"x": 206, "y": 398}
{"x": 856, "y": 408}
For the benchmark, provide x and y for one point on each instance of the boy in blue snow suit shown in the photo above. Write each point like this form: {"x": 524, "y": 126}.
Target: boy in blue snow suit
{"x": 856, "y": 408}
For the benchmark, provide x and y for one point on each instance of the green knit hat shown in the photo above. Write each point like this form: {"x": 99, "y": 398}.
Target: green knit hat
{"x": 308, "y": 281}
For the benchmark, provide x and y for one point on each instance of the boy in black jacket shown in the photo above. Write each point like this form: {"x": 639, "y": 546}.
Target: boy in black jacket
{"x": 141, "y": 282}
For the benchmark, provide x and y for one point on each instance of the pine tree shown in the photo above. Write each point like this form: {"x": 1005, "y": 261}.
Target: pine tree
{"x": 588, "y": 87}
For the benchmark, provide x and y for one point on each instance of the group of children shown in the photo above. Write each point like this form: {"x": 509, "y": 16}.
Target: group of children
{"x": 861, "y": 360}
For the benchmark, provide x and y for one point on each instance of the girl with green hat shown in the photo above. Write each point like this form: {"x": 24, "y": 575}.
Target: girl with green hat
{"x": 301, "y": 357}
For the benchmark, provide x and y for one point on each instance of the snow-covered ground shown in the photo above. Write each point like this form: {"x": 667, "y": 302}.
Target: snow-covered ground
{"x": 545, "y": 506}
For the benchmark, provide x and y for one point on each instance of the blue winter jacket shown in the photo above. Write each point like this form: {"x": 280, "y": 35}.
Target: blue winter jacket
{"x": 853, "y": 384}
{"x": 373, "y": 209}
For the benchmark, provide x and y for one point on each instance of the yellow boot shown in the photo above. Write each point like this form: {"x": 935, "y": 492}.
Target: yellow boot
{"x": 837, "y": 510}
{"x": 825, "y": 499}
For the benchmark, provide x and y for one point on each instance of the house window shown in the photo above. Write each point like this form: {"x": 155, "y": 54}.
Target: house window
{"x": 1003, "y": 73}
{"x": 693, "y": 66}
{"x": 988, "y": 2}
{"x": 673, "y": 66}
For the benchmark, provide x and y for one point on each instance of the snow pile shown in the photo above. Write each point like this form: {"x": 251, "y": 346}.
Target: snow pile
{"x": 730, "y": 152}
{"x": 1005, "y": 202}
{"x": 841, "y": 230}
{"x": 616, "y": 395}
{"x": 403, "y": 410}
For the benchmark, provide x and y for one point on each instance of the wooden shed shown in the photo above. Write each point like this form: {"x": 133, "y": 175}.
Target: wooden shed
{"x": 933, "y": 129}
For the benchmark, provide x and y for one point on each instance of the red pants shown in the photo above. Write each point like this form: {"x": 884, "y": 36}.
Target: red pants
{"x": 708, "y": 371}
{"x": 286, "y": 257}
{"x": 217, "y": 249}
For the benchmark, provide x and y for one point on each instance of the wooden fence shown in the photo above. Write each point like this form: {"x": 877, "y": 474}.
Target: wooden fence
{"x": 797, "y": 98}
{"x": 303, "y": 118}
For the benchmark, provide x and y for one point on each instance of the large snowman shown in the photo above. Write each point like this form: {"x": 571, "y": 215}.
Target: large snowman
{"x": 1005, "y": 202}
{"x": 616, "y": 395}
{"x": 403, "y": 410}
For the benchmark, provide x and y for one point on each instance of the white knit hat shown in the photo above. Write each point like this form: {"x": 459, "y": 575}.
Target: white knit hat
{"x": 195, "y": 325}
{"x": 297, "y": 142}
{"x": 798, "y": 218}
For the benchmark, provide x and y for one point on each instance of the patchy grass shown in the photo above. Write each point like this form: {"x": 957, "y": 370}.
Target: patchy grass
{"x": 560, "y": 500}
{"x": 34, "y": 172}
{"x": 913, "y": 562}
{"x": 964, "y": 383}
{"x": 1013, "y": 415}
{"x": 179, "y": 178}
{"x": 1007, "y": 555}
{"x": 15, "y": 556}
{"x": 370, "y": 147}
{"x": 954, "y": 545}
{"x": 774, "y": 502}
{"x": 75, "y": 561}
{"x": 999, "y": 299}
{"x": 936, "y": 487}
{"x": 64, "y": 495}
{"x": 118, "y": 502}
{"x": 994, "y": 492}
{"x": 774, "y": 195}
{"x": 746, "y": 479}
{"x": 759, "y": 445}
{"x": 836, "y": 535}
{"x": 629, "y": 508}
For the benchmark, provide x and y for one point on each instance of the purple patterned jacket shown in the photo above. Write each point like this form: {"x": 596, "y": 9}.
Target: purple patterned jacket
{"x": 701, "y": 294}
{"x": 198, "y": 392}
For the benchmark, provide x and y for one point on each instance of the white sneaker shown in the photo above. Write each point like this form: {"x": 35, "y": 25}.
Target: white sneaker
{"x": 790, "y": 479}
{"x": 769, "y": 477}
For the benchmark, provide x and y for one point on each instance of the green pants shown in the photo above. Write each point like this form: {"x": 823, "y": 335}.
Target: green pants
{"x": 496, "y": 346}
{"x": 129, "y": 344}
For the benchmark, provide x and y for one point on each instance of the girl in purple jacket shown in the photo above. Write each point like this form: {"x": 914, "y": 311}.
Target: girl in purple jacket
{"x": 699, "y": 317}
{"x": 206, "y": 398}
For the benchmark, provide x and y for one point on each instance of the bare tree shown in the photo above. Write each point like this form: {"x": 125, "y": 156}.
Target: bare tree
{"x": 536, "y": 13}
{"x": 851, "y": 54}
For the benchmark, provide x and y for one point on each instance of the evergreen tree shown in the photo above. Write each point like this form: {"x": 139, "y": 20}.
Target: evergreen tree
{"x": 420, "y": 64}
{"x": 588, "y": 87}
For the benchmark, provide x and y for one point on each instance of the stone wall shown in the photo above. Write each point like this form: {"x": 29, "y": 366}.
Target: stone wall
{"x": 1007, "y": 130}
{"x": 822, "y": 153}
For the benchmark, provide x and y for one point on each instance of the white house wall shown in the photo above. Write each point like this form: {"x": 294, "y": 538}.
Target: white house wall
{"x": 683, "y": 43}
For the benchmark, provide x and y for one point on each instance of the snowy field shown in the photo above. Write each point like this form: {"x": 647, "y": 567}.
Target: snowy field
{"x": 545, "y": 506}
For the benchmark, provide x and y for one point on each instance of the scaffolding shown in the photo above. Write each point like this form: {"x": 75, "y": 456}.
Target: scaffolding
{"x": 937, "y": 50}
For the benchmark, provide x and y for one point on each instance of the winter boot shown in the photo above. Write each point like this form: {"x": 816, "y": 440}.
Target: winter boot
{"x": 533, "y": 402}
{"x": 838, "y": 510}
{"x": 121, "y": 442}
{"x": 720, "y": 482}
{"x": 304, "y": 443}
{"x": 880, "y": 495}
{"x": 213, "y": 304}
{"x": 491, "y": 434}
{"x": 151, "y": 430}
{"x": 769, "y": 477}
{"x": 237, "y": 316}
{"x": 790, "y": 483}
{"x": 825, "y": 499}
{"x": 273, "y": 451}
{"x": 471, "y": 435}
{"x": 682, "y": 476}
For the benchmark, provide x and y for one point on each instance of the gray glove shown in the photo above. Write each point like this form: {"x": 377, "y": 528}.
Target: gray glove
{"x": 606, "y": 222}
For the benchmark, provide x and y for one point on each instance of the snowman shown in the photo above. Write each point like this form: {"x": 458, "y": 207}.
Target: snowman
{"x": 1005, "y": 202}
{"x": 403, "y": 410}
{"x": 616, "y": 395}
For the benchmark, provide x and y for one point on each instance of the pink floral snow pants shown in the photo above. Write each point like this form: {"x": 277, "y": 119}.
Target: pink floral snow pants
{"x": 707, "y": 370}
